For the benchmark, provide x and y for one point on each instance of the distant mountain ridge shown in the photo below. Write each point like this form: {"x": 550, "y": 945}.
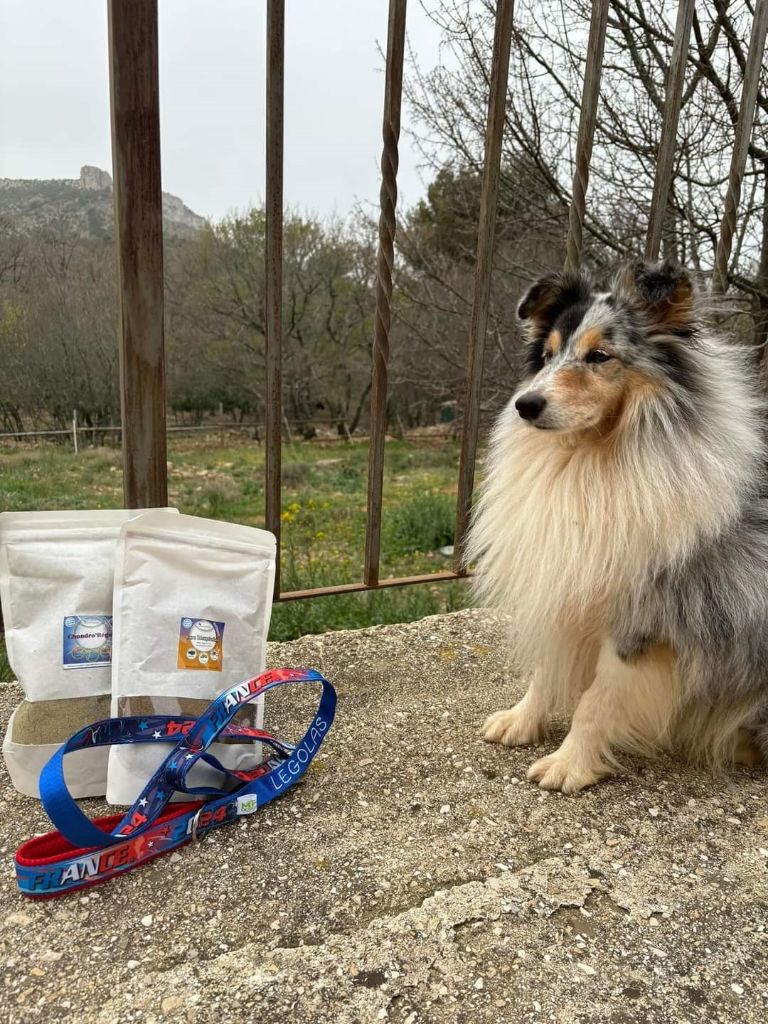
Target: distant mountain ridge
{"x": 84, "y": 204}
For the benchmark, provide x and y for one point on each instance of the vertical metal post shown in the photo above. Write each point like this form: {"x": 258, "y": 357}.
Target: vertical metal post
{"x": 741, "y": 145}
{"x": 273, "y": 289}
{"x": 587, "y": 121}
{"x": 393, "y": 89}
{"x": 672, "y": 101}
{"x": 134, "y": 98}
{"x": 489, "y": 197}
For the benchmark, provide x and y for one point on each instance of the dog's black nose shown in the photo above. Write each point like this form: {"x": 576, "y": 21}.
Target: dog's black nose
{"x": 530, "y": 405}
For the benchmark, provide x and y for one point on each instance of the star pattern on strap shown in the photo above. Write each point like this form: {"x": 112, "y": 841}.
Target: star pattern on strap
{"x": 67, "y": 869}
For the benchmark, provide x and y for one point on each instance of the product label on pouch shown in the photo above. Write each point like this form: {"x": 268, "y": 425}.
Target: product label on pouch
{"x": 87, "y": 641}
{"x": 201, "y": 644}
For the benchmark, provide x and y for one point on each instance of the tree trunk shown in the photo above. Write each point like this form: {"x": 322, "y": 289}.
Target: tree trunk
{"x": 355, "y": 421}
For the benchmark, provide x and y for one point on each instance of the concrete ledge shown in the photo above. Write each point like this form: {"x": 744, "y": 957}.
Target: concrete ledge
{"x": 416, "y": 876}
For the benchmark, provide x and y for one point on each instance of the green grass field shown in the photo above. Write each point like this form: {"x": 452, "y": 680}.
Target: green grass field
{"x": 324, "y": 511}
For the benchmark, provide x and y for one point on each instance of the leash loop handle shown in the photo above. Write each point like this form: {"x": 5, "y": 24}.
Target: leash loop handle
{"x": 83, "y": 852}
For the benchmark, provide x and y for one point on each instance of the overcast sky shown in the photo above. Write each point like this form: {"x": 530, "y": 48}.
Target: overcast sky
{"x": 54, "y": 97}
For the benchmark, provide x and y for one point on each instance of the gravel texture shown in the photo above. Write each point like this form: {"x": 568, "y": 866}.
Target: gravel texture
{"x": 416, "y": 876}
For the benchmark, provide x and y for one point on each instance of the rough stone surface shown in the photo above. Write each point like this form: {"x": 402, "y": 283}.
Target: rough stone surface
{"x": 416, "y": 876}
{"x": 94, "y": 178}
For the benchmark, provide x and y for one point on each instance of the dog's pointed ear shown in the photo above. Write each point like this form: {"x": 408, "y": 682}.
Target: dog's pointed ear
{"x": 663, "y": 291}
{"x": 549, "y": 296}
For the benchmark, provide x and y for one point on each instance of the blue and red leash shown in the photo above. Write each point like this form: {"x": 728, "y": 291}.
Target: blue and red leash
{"x": 82, "y": 853}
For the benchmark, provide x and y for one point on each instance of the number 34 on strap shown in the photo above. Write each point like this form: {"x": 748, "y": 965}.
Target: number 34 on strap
{"x": 82, "y": 853}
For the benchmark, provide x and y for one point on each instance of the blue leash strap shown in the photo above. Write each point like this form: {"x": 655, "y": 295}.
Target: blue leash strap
{"x": 82, "y": 852}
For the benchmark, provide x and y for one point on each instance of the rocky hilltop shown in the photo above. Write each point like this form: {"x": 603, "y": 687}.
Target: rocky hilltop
{"x": 84, "y": 203}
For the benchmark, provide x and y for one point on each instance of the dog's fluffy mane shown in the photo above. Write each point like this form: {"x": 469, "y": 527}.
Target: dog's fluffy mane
{"x": 581, "y": 537}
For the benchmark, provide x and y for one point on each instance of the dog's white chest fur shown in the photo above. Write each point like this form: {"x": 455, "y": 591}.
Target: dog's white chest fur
{"x": 561, "y": 527}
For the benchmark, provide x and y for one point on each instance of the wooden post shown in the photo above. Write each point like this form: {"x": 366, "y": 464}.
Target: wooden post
{"x": 489, "y": 198}
{"x": 587, "y": 122}
{"x": 134, "y": 101}
{"x": 273, "y": 299}
{"x": 672, "y": 102}
{"x": 749, "y": 88}
{"x": 74, "y": 429}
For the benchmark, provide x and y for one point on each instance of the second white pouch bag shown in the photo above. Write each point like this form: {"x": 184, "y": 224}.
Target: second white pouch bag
{"x": 192, "y": 604}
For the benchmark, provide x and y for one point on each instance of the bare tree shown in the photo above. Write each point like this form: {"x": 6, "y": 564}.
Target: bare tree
{"x": 216, "y": 291}
{"x": 448, "y": 105}
{"x": 57, "y": 332}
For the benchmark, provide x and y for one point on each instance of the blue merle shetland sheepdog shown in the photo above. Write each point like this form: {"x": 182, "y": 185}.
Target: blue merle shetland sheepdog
{"x": 623, "y": 524}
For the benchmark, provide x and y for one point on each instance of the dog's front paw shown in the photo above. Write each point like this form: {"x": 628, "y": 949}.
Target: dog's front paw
{"x": 567, "y": 771}
{"x": 514, "y": 728}
{"x": 746, "y": 751}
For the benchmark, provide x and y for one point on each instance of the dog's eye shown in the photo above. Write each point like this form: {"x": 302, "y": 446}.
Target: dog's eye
{"x": 597, "y": 356}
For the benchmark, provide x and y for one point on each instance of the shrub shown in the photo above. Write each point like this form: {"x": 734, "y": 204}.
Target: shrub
{"x": 214, "y": 498}
{"x": 294, "y": 474}
{"x": 422, "y": 523}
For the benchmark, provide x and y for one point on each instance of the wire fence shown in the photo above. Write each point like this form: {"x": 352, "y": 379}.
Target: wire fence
{"x": 323, "y": 430}
{"x": 83, "y": 431}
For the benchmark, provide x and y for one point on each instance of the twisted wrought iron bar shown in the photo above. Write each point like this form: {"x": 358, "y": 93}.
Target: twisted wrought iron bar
{"x": 741, "y": 146}
{"x": 672, "y": 104}
{"x": 386, "y": 256}
{"x": 587, "y": 120}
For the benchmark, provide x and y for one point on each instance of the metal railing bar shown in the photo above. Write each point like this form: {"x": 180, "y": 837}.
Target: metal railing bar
{"x": 744, "y": 124}
{"x": 672, "y": 104}
{"x": 135, "y": 117}
{"x": 274, "y": 268}
{"x": 587, "y": 122}
{"x": 393, "y": 89}
{"x": 489, "y": 198}
{"x": 357, "y": 588}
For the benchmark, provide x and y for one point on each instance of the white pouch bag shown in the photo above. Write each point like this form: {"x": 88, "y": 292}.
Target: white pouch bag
{"x": 56, "y": 581}
{"x": 192, "y": 604}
